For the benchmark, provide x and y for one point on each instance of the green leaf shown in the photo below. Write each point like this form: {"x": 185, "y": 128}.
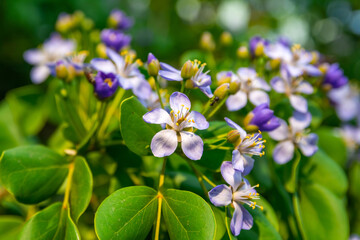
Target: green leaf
{"x": 220, "y": 222}
{"x": 128, "y": 213}
{"x": 333, "y": 145}
{"x": 10, "y": 227}
{"x": 323, "y": 214}
{"x": 136, "y": 133}
{"x": 321, "y": 169}
{"x": 291, "y": 173}
{"x": 354, "y": 180}
{"x": 81, "y": 188}
{"x": 32, "y": 173}
{"x": 28, "y": 107}
{"x": 187, "y": 216}
{"x": 53, "y": 222}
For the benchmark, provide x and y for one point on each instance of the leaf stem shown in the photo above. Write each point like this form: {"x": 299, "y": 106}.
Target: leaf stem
{"x": 68, "y": 185}
{"x": 199, "y": 176}
{"x": 160, "y": 198}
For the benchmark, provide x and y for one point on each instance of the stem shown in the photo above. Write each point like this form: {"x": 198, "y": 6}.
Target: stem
{"x": 206, "y": 107}
{"x": 160, "y": 198}
{"x": 182, "y": 86}
{"x": 199, "y": 177}
{"x": 157, "y": 88}
{"x": 114, "y": 105}
{"x": 217, "y": 108}
{"x": 68, "y": 185}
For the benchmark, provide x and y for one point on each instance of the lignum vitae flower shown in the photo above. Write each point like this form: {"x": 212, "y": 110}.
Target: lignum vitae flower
{"x": 239, "y": 192}
{"x": 245, "y": 145}
{"x": 179, "y": 128}
{"x": 296, "y": 61}
{"x": 251, "y": 88}
{"x": 293, "y": 87}
{"x": 261, "y": 118}
{"x": 53, "y": 50}
{"x": 126, "y": 70}
{"x": 119, "y": 20}
{"x": 257, "y": 45}
{"x": 115, "y": 39}
{"x": 334, "y": 76}
{"x": 293, "y": 136}
{"x": 69, "y": 67}
{"x": 105, "y": 85}
{"x": 192, "y": 73}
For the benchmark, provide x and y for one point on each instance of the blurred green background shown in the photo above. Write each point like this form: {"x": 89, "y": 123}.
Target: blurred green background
{"x": 169, "y": 27}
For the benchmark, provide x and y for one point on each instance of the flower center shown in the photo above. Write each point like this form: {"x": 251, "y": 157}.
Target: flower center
{"x": 108, "y": 82}
{"x": 252, "y": 144}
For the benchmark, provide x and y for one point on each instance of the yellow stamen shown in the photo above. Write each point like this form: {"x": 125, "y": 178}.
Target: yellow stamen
{"x": 108, "y": 82}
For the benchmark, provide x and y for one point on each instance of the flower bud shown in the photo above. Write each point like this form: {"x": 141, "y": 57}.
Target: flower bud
{"x": 222, "y": 91}
{"x": 61, "y": 70}
{"x": 242, "y": 52}
{"x": 274, "y": 63}
{"x": 153, "y": 65}
{"x": 226, "y": 39}
{"x": 261, "y": 118}
{"x": 119, "y": 20}
{"x": 115, "y": 39}
{"x": 334, "y": 76}
{"x": 101, "y": 50}
{"x": 64, "y": 23}
{"x": 207, "y": 42}
{"x": 234, "y": 87}
{"x": 224, "y": 77}
{"x": 187, "y": 70}
{"x": 257, "y": 46}
{"x": 234, "y": 137}
{"x": 189, "y": 84}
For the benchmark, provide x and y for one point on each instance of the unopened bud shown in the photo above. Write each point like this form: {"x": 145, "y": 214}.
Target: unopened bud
{"x": 189, "y": 84}
{"x": 274, "y": 63}
{"x": 259, "y": 50}
{"x": 242, "y": 52}
{"x": 226, "y": 39}
{"x": 207, "y": 42}
{"x": 187, "y": 70}
{"x": 234, "y": 137}
{"x": 71, "y": 73}
{"x": 250, "y": 127}
{"x": 324, "y": 67}
{"x": 234, "y": 87}
{"x": 101, "y": 50}
{"x": 222, "y": 91}
{"x": 61, "y": 70}
{"x": 225, "y": 79}
{"x": 153, "y": 65}
{"x": 152, "y": 82}
{"x": 315, "y": 57}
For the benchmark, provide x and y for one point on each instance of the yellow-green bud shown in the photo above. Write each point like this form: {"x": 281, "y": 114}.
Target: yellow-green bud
{"x": 222, "y": 91}
{"x": 274, "y": 63}
{"x": 71, "y": 73}
{"x": 189, "y": 84}
{"x": 259, "y": 50}
{"x": 187, "y": 70}
{"x": 87, "y": 24}
{"x": 242, "y": 52}
{"x": 152, "y": 83}
{"x": 234, "y": 87}
{"x": 324, "y": 67}
{"x": 207, "y": 42}
{"x": 234, "y": 137}
{"x": 112, "y": 22}
{"x": 101, "y": 50}
{"x": 224, "y": 79}
{"x": 226, "y": 39}
{"x": 61, "y": 71}
{"x": 78, "y": 17}
{"x": 249, "y": 127}
{"x": 154, "y": 67}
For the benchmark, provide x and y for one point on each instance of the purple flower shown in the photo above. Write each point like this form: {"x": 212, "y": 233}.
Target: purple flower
{"x": 238, "y": 193}
{"x": 53, "y": 50}
{"x": 126, "y": 70}
{"x": 179, "y": 125}
{"x": 293, "y": 135}
{"x": 119, "y": 20}
{"x": 245, "y": 145}
{"x": 292, "y": 87}
{"x": 257, "y": 45}
{"x": 334, "y": 77}
{"x": 261, "y": 118}
{"x": 73, "y": 64}
{"x": 105, "y": 84}
{"x": 251, "y": 87}
{"x": 296, "y": 61}
{"x": 115, "y": 39}
{"x": 197, "y": 77}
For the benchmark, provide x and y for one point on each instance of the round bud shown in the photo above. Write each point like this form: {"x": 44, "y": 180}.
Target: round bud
{"x": 234, "y": 87}
{"x": 222, "y": 91}
{"x": 61, "y": 70}
{"x": 226, "y": 39}
{"x": 101, "y": 50}
{"x": 259, "y": 50}
{"x": 207, "y": 42}
{"x": 242, "y": 52}
{"x": 234, "y": 137}
{"x": 189, "y": 84}
{"x": 187, "y": 70}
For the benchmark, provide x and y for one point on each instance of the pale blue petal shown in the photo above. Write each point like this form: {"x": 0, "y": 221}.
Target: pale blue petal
{"x": 164, "y": 143}
{"x": 299, "y": 121}
{"x": 220, "y": 195}
{"x": 308, "y": 144}
{"x": 258, "y": 97}
{"x": 199, "y": 121}
{"x": 237, "y": 101}
{"x": 280, "y": 133}
{"x": 207, "y": 91}
{"x": 236, "y": 127}
{"x": 179, "y": 102}
{"x": 237, "y": 220}
{"x": 192, "y": 145}
{"x": 170, "y": 76}
{"x": 299, "y": 103}
{"x": 278, "y": 84}
{"x": 305, "y": 87}
{"x": 39, "y": 74}
{"x": 283, "y": 152}
{"x": 231, "y": 176}
{"x": 34, "y": 56}
{"x": 247, "y": 219}
{"x": 157, "y": 116}
{"x": 103, "y": 65}
{"x": 116, "y": 58}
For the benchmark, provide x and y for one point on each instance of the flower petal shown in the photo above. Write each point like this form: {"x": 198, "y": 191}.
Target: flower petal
{"x": 235, "y": 126}
{"x": 103, "y": 65}
{"x": 308, "y": 144}
{"x": 237, "y": 101}
{"x": 247, "y": 219}
{"x": 283, "y": 152}
{"x": 220, "y": 195}
{"x": 278, "y": 84}
{"x": 115, "y": 57}
{"x": 207, "y": 91}
{"x": 299, "y": 103}
{"x": 199, "y": 121}
{"x": 305, "y": 87}
{"x": 179, "y": 102}
{"x": 237, "y": 220}
{"x": 142, "y": 89}
{"x": 242, "y": 163}
{"x": 280, "y": 133}
{"x": 170, "y": 76}
{"x": 167, "y": 67}
{"x": 157, "y": 116}
{"x": 192, "y": 145}
{"x": 248, "y": 164}
{"x": 164, "y": 143}
{"x": 34, "y": 56}
{"x": 312, "y": 71}
{"x": 261, "y": 84}
{"x": 231, "y": 176}
{"x": 39, "y": 74}
{"x": 258, "y": 97}
{"x": 299, "y": 121}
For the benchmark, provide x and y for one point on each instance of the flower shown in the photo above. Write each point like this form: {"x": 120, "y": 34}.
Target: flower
{"x": 240, "y": 192}
{"x": 126, "y": 71}
{"x": 334, "y": 77}
{"x": 69, "y": 67}
{"x": 153, "y": 65}
{"x": 292, "y": 87}
{"x": 115, "y": 39}
{"x": 53, "y": 50}
{"x": 251, "y": 87}
{"x": 257, "y": 45}
{"x": 105, "y": 84}
{"x": 346, "y": 100}
{"x": 245, "y": 145}
{"x": 261, "y": 118}
{"x": 293, "y": 135}
{"x": 192, "y": 71}
{"x": 119, "y": 20}
{"x": 296, "y": 61}
{"x": 179, "y": 125}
